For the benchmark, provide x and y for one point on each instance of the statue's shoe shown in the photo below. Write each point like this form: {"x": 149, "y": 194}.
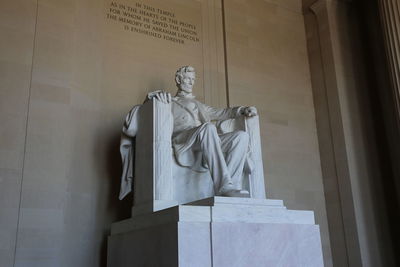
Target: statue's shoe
{"x": 237, "y": 193}
{"x": 227, "y": 187}
{"x": 229, "y": 190}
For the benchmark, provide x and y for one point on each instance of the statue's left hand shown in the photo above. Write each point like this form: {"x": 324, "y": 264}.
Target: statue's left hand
{"x": 249, "y": 111}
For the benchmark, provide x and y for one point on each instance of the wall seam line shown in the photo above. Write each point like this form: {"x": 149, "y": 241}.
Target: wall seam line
{"x": 224, "y": 33}
{"x": 26, "y": 132}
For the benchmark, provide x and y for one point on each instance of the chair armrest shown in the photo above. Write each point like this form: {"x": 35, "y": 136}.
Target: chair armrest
{"x": 252, "y": 127}
{"x": 256, "y": 181}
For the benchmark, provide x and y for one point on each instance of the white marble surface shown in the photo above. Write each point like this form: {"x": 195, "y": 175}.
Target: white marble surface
{"x": 219, "y": 209}
{"x": 194, "y": 246}
{"x": 219, "y": 231}
{"x": 212, "y": 201}
{"x": 260, "y": 245}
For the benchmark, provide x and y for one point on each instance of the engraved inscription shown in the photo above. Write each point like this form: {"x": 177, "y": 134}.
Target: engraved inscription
{"x": 152, "y": 21}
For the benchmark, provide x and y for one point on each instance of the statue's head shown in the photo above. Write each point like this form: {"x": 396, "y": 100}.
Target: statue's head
{"x": 184, "y": 78}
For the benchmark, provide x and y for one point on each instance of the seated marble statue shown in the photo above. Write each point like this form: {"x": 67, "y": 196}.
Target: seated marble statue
{"x": 181, "y": 150}
{"x": 196, "y": 142}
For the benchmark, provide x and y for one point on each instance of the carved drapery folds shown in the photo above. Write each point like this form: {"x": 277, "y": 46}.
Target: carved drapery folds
{"x": 390, "y": 18}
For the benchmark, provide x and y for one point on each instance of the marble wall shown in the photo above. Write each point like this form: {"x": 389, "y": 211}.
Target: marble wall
{"x": 17, "y": 28}
{"x": 349, "y": 151}
{"x": 69, "y": 75}
{"x": 267, "y": 66}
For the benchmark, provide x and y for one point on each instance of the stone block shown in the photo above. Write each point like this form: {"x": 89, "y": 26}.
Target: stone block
{"x": 218, "y": 231}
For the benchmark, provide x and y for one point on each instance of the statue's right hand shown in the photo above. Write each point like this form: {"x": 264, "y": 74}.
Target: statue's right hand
{"x": 161, "y": 96}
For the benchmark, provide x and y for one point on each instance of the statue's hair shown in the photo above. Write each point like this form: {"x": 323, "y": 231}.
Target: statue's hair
{"x": 182, "y": 70}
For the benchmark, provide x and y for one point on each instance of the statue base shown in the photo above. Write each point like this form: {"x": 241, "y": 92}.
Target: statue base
{"x": 218, "y": 231}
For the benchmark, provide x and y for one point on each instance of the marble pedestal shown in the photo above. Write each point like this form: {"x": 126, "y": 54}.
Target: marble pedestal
{"x": 219, "y": 232}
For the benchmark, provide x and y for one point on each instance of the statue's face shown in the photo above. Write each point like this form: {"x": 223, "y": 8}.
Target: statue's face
{"x": 187, "y": 82}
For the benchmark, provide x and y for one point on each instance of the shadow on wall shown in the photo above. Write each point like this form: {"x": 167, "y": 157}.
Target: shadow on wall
{"x": 121, "y": 209}
{"x": 115, "y": 209}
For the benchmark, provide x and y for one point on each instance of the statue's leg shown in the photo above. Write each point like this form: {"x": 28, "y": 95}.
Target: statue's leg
{"x": 235, "y": 146}
{"x": 210, "y": 145}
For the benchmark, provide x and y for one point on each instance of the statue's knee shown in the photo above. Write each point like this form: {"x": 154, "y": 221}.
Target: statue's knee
{"x": 210, "y": 128}
{"x": 242, "y": 136}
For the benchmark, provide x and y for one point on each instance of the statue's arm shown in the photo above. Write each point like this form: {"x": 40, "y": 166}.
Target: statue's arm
{"x": 229, "y": 113}
{"x": 218, "y": 114}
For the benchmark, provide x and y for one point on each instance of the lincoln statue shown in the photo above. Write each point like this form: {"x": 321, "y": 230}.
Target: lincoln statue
{"x": 196, "y": 142}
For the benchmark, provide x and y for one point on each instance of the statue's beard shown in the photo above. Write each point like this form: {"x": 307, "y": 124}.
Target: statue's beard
{"x": 185, "y": 93}
{"x": 186, "y": 89}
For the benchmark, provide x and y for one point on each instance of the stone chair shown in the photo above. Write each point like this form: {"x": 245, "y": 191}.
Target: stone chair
{"x": 159, "y": 182}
